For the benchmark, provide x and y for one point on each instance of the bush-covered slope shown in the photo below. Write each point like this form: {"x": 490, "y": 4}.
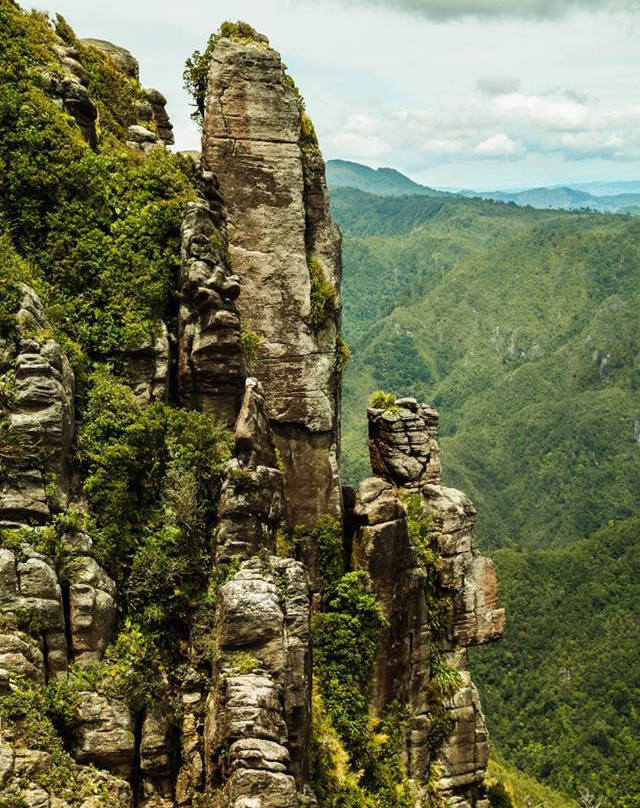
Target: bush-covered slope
{"x": 562, "y": 689}
{"x": 523, "y": 328}
{"x": 97, "y": 229}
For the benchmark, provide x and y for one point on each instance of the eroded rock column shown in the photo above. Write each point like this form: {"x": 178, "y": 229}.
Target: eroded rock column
{"x": 438, "y": 593}
{"x": 265, "y": 156}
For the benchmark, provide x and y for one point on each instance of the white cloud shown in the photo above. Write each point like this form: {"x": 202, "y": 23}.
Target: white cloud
{"x": 502, "y": 127}
{"x": 498, "y": 146}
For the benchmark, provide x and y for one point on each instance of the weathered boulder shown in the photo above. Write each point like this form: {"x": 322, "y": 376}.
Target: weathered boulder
{"x": 253, "y": 141}
{"x": 403, "y": 443}
{"x": 105, "y": 734}
{"x": 252, "y": 501}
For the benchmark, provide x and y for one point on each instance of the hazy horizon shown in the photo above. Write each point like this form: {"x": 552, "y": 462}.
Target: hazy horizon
{"x": 473, "y": 94}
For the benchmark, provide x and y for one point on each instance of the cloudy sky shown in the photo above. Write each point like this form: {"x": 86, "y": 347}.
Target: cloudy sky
{"x": 459, "y": 93}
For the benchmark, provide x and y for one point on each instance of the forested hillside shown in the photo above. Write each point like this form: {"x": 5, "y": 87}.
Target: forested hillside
{"x": 522, "y": 327}
{"x": 562, "y": 690}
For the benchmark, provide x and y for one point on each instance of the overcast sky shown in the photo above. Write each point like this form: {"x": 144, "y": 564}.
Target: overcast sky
{"x": 462, "y": 93}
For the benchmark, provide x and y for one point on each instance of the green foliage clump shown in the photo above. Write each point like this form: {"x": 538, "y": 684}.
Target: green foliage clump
{"x": 323, "y": 294}
{"x": 345, "y": 640}
{"x": 250, "y": 343}
{"x": 334, "y": 782}
{"x": 521, "y": 789}
{"x": 380, "y": 400}
{"x": 242, "y": 662}
{"x": 13, "y": 272}
{"x": 8, "y": 391}
{"x": 498, "y": 796}
{"x": 99, "y": 230}
{"x": 28, "y": 713}
{"x": 343, "y": 352}
{"x": 326, "y": 537}
{"x": 152, "y": 476}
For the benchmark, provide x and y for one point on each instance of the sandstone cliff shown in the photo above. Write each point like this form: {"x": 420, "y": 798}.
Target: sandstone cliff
{"x": 264, "y": 638}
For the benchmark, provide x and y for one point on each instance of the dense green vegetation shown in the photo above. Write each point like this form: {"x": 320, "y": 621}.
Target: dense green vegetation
{"x": 522, "y": 790}
{"x": 522, "y": 327}
{"x": 96, "y": 232}
{"x": 562, "y": 690}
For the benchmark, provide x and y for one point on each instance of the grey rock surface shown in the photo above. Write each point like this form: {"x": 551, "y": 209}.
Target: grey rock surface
{"x": 41, "y": 420}
{"x": 211, "y": 368}
{"x": 252, "y": 141}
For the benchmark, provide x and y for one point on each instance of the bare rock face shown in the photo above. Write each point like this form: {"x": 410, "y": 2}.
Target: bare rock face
{"x": 403, "y": 443}
{"x": 38, "y": 425}
{"x": 105, "y": 734}
{"x": 409, "y": 584}
{"x": 91, "y": 596}
{"x": 468, "y": 576}
{"x": 278, "y": 227}
{"x": 259, "y": 709}
{"x": 252, "y": 501}
{"x": 211, "y": 367}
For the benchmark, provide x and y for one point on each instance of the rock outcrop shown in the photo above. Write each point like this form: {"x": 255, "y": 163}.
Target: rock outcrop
{"x": 253, "y": 343}
{"x": 415, "y": 538}
{"x": 280, "y": 234}
{"x": 38, "y": 419}
{"x": 211, "y": 367}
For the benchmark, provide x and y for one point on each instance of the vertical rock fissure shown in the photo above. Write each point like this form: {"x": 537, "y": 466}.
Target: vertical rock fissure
{"x": 136, "y": 766}
{"x": 66, "y": 612}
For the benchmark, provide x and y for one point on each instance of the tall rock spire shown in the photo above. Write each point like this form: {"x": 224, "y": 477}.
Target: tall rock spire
{"x": 286, "y": 251}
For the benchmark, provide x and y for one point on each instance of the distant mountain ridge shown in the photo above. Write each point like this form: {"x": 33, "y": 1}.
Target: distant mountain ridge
{"x": 383, "y": 181}
{"x": 605, "y": 197}
{"x": 565, "y": 197}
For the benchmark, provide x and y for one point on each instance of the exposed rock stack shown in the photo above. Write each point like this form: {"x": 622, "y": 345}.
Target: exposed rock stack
{"x": 211, "y": 366}
{"x": 404, "y": 451}
{"x": 279, "y": 226}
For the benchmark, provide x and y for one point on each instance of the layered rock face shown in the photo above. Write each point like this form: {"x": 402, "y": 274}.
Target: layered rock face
{"x": 278, "y": 223}
{"x": 425, "y": 576}
{"x": 231, "y": 722}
